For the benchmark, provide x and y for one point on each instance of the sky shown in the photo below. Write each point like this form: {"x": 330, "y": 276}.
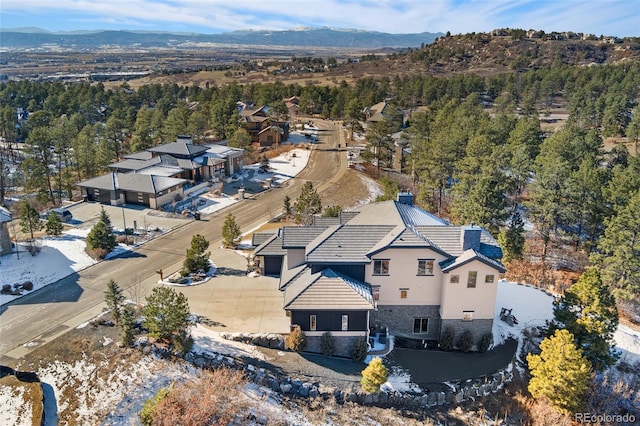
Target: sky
{"x": 607, "y": 17}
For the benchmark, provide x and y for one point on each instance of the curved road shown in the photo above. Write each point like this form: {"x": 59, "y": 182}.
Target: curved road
{"x": 50, "y": 312}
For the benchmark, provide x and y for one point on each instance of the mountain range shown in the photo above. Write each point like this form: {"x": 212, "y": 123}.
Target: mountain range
{"x": 31, "y": 38}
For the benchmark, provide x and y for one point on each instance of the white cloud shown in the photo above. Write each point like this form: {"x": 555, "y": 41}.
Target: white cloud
{"x": 400, "y": 16}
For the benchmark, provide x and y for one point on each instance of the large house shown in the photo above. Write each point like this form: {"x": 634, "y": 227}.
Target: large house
{"x": 158, "y": 175}
{"x": 389, "y": 266}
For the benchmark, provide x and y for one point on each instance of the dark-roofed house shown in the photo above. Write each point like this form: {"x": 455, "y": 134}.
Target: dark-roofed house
{"x": 420, "y": 273}
{"x": 265, "y": 131}
{"x": 157, "y": 176}
{"x": 5, "y": 240}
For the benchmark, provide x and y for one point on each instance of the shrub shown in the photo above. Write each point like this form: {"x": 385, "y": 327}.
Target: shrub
{"x": 485, "y": 342}
{"x": 146, "y": 415}
{"x": 374, "y": 376}
{"x": 6, "y": 288}
{"x": 359, "y": 349}
{"x": 296, "y": 340}
{"x": 124, "y": 239}
{"x": 447, "y": 339}
{"x": 27, "y": 285}
{"x": 465, "y": 341}
{"x": 328, "y": 344}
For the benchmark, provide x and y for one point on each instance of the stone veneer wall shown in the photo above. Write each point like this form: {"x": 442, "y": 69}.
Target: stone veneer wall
{"x": 5, "y": 240}
{"x": 478, "y": 327}
{"x": 343, "y": 345}
{"x": 399, "y": 320}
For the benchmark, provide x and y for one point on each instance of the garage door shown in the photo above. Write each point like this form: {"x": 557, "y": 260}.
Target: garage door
{"x": 272, "y": 265}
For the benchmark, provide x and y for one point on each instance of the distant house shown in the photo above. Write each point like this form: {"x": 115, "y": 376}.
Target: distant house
{"x": 382, "y": 111}
{"x": 5, "y": 240}
{"x": 264, "y": 130}
{"x": 158, "y": 175}
{"x": 391, "y": 266}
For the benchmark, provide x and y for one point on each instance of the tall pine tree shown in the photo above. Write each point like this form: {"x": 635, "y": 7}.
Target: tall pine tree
{"x": 114, "y": 299}
{"x": 230, "y": 231}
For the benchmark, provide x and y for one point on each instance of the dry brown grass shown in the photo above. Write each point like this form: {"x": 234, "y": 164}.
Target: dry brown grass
{"x": 29, "y": 405}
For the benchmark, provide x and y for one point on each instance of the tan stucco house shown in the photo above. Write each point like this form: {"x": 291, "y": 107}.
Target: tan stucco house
{"x": 390, "y": 265}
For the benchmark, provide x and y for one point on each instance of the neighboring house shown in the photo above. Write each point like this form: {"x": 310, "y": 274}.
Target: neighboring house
{"x": 158, "y": 175}
{"x": 5, "y": 240}
{"x": 389, "y": 266}
{"x": 264, "y": 130}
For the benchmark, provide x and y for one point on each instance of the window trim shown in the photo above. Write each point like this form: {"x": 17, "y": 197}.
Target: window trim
{"x": 313, "y": 323}
{"x": 427, "y": 271}
{"x": 493, "y": 278}
{"x": 454, "y": 279}
{"x": 471, "y": 283}
{"x": 381, "y": 273}
{"x": 404, "y": 292}
{"x": 421, "y": 319}
{"x": 469, "y": 317}
{"x": 345, "y": 322}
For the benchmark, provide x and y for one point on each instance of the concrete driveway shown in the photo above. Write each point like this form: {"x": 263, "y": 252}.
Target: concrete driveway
{"x": 234, "y": 302}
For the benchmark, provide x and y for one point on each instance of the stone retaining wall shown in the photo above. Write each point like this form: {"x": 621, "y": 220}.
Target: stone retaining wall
{"x": 457, "y": 393}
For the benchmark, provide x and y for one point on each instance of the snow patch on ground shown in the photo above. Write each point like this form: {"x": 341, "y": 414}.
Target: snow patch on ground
{"x": 530, "y": 305}
{"x": 15, "y": 407}
{"x": 373, "y": 188}
{"x": 399, "y": 380}
{"x": 627, "y": 341}
{"x": 211, "y": 342}
{"x": 283, "y": 167}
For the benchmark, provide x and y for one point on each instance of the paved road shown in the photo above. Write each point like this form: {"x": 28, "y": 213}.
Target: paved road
{"x": 48, "y": 313}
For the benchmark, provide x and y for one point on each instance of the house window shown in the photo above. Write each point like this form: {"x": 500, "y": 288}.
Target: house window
{"x": 471, "y": 281}
{"x": 381, "y": 267}
{"x": 312, "y": 322}
{"x": 420, "y": 325}
{"x": 345, "y": 323}
{"x": 455, "y": 279}
{"x": 467, "y": 315}
{"x": 403, "y": 293}
{"x": 425, "y": 266}
{"x": 376, "y": 292}
{"x": 488, "y": 279}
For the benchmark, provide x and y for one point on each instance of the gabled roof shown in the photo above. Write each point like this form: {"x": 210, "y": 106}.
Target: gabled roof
{"x": 327, "y": 289}
{"x": 299, "y": 236}
{"x": 448, "y": 239}
{"x": 5, "y": 215}
{"x": 142, "y": 155}
{"x": 263, "y": 111}
{"x": 180, "y": 148}
{"x": 348, "y": 243}
{"x": 394, "y": 213}
{"x": 260, "y": 237}
{"x": 272, "y": 246}
{"x": 469, "y": 256}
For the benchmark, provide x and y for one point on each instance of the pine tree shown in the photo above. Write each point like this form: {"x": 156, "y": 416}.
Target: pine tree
{"x": 588, "y": 311}
{"x": 264, "y": 164}
{"x": 560, "y": 373}
{"x": 104, "y": 217}
{"x": 166, "y": 314}
{"x": 374, "y": 376}
{"x": 127, "y": 326}
{"x": 511, "y": 239}
{"x": 307, "y": 204}
{"x": 197, "y": 257}
{"x": 287, "y": 207}
{"x": 29, "y": 219}
{"x": 114, "y": 299}
{"x": 100, "y": 238}
{"x": 54, "y": 225}
{"x": 230, "y": 231}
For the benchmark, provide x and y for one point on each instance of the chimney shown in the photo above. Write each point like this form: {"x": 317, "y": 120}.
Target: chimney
{"x": 470, "y": 237}
{"x": 184, "y": 138}
{"x": 405, "y": 198}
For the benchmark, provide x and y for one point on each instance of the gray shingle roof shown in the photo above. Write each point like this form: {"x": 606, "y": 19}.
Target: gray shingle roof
{"x": 348, "y": 243}
{"x": 134, "y": 182}
{"x": 260, "y": 237}
{"x": 468, "y": 256}
{"x": 326, "y": 222}
{"x": 327, "y": 290}
{"x": 271, "y": 247}
{"x": 448, "y": 239}
{"x": 180, "y": 148}
{"x": 409, "y": 238}
{"x": 299, "y": 236}
{"x": 142, "y": 155}
{"x": 5, "y": 215}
